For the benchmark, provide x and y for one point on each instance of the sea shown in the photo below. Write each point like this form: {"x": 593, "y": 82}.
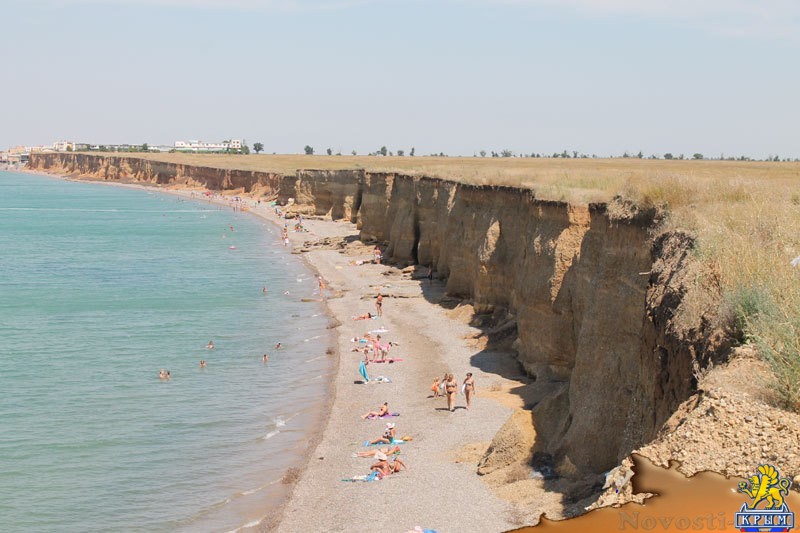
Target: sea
{"x": 101, "y": 288}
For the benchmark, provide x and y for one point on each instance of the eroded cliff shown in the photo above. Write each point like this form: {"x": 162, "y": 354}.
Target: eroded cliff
{"x": 586, "y": 292}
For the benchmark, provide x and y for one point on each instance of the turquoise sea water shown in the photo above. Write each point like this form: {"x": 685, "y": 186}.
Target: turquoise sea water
{"x": 100, "y": 287}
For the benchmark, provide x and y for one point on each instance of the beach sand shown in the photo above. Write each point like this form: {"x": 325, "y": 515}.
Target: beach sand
{"x": 436, "y": 492}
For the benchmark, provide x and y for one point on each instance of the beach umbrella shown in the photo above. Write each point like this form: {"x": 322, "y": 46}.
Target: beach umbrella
{"x": 362, "y": 369}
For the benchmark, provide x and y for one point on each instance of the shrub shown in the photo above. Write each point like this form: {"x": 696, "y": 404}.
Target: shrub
{"x": 777, "y": 338}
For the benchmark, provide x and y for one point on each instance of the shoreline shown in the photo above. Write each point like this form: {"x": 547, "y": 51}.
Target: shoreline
{"x": 431, "y": 341}
{"x": 270, "y": 520}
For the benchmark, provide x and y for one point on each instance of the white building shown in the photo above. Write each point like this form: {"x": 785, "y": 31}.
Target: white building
{"x": 63, "y": 146}
{"x": 200, "y": 146}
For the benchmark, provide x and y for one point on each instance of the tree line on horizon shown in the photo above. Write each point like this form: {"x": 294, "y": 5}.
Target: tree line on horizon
{"x": 383, "y": 151}
{"x": 565, "y": 154}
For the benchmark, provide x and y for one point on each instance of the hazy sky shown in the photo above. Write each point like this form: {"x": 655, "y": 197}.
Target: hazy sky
{"x": 597, "y": 76}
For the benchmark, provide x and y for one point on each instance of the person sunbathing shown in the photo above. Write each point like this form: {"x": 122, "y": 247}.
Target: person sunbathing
{"x": 385, "y": 468}
{"x": 397, "y": 465}
{"x": 384, "y": 410}
{"x": 388, "y": 435}
{"x": 366, "y": 316}
{"x": 386, "y": 450}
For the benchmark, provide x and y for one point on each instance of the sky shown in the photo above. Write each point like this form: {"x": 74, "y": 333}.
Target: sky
{"x": 454, "y": 76}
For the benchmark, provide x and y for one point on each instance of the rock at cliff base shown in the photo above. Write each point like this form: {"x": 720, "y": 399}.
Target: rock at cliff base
{"x": 512, "y": 445}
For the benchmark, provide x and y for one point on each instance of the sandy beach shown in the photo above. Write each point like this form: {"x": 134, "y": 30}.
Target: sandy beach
{"x": 436, "y": 492}
{"x": 440, "y": 490}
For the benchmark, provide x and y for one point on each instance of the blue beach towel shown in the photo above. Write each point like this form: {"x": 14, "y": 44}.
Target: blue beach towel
{"x": 362, "y": 369}
{"x": 372, "y": 476}
{"x": 394, "y": 441}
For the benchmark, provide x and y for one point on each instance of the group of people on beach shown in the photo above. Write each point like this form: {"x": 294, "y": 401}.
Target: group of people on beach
{"x": 388, "y": 460}
{"x": 448, "y": 386}
{"x": 375, "y": 350}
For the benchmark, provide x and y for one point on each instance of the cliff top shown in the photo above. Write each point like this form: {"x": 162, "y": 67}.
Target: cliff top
{"x": 575, "y": 180}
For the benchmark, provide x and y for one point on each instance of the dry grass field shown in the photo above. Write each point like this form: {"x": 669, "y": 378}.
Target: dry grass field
{"x": 569, "y": 179}
{"x": 745, "y": 216}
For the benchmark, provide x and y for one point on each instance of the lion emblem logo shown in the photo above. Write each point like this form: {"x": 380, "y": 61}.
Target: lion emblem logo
{"x": 768, "y": 487}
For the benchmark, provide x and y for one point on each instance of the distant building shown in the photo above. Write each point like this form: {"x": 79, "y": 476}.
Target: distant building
{"x": 64, "y": 146}
{"x": 19, "y": 150}
{"x": 200, "y": 146}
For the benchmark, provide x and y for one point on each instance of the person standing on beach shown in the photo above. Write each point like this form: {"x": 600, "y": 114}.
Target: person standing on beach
{"x": 451, "y": 388}
{"x": 435, "y": 387}
{"x": 469, "y": 388}
{"x": 379, "y": 304}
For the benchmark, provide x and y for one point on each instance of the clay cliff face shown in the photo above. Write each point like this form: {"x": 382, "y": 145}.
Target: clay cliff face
{"x": 590, "y": 295}
{"x": 122, "y": 168}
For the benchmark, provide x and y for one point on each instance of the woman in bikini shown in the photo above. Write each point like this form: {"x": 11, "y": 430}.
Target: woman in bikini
{"x": 379, "y": 413}
{"x": 388, "y": 435}
{"x": 385, "y": 450}
{"x": 469, "y": 388}
{"x": 385, "y": 467}
{"x": 451, "y": 387}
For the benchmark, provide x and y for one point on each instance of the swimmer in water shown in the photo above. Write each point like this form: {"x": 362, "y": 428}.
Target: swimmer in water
{"x": 161, "y": 374}
{"x": 167, "y": 376}
{"x": 210, "y": 345}
{"x": 264, "y": 290}
{"x": 265, "y": 358}
{"x": 202, "y": 364}
{"x": 278, "y": 346}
